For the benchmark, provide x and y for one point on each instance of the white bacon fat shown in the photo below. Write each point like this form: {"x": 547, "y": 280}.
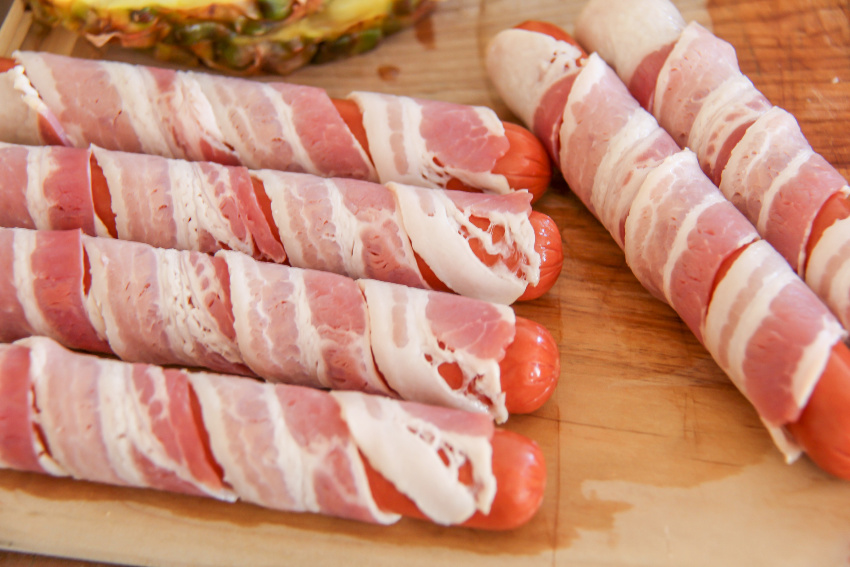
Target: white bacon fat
{"x": 420, "y": 341}
{"x": 437, "y": 221}
{"x": 18, "y": 119}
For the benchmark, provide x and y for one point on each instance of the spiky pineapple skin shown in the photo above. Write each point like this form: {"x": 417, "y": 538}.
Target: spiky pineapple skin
{"x": 243, "y": 37}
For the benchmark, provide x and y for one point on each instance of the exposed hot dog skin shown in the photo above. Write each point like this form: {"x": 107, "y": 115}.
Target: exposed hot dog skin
{"x": 823, "y": 429}
{"x": 549, "y": 246}
{"x": 526, "y": 165}
{"x": 531, "y": 367}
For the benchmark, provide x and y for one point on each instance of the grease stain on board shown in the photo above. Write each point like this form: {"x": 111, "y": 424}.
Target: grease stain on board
{"x": 388, "y": 72}
{"x": 424, "y": 32}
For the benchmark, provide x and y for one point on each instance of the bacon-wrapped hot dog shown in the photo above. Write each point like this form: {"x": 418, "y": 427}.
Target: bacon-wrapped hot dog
{"x": 754, "y": 151}
{"x": 493, "y": 247}
{"x": 232, "y": 314}
{"x": 200, "y": 117}
{"x": 685, "y": 242}
{"x": 345, "y": 454}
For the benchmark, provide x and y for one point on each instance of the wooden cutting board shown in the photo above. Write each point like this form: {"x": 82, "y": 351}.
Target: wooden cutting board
{"x": 653, "y": 457}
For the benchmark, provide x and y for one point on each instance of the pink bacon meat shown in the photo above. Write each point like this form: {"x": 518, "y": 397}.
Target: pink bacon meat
{"x": 755, "y": 152}
{"x": 678, "y": 231}
{"x": 287, "y": 127}
{"x": 232, "y": 314}
{"x": 390, "y": 232}
{"x": 140, "y": 425}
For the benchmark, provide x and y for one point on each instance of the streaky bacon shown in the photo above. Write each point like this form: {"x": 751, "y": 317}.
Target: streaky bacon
{"x": 755, "y": 152}
{"x": 761, "y": 323}
{"x": 426, "y": 143}
{"x": 198, "y": 433}
{"x": 261, "y": 125}
{"x": 346, "y": 226}
{"x": 233, "y": 314}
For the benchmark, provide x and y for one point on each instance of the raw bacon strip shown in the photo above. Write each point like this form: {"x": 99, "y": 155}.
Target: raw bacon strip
{"x": 24, "y": 118}
{"x": 284, "y": 127}
{"x": 138, "y": 109}
{"x": 233, "y": 314}
{"x": 679, "y": 231}
{"x": 20, "y": 448}
{"x": 117, "y": 423}
{"x": 162, "y": 306}
{"x": 554, "y": 83}
{"x": 169, "y": 203}
{"x": 681, "y": 237}
{"x": 595, "y": 91}
{"x": 309, "y": 462}
{"x": 13, "y": 172}
{"x": 396, "y": 233}
{"x": 185, "y": 205}
{"x": 637, "y": 149}
{"x": 42, "y": 288}
{"x": 428, "y": 331}
{"x": 197, "y": 433}
{"x": 497, "y": 226}
{"x": 340, "y": 225}
{"x": 727, "y": 112}
{"x": 776, "y": 179}
{"x": 302, "y": 326}
{"x": 274, "y": 125}
{"x": 828, "y": 270}
{"x": 697, "y": 65}
{"x": 753, "y": 151}
{"x": 637, "y": 57}
{"x": 46, "y": 188}
{"x": 427, "y": 143}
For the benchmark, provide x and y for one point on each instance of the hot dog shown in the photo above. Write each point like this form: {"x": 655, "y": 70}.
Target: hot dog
{"x": 320, "y": 453}
{"x": 277, "y": 216}
{"x": 278, "y": 126}
{"x": 755, "y": 152}
{"x": 734, "y": 290}
{"x": 232, "y": 314}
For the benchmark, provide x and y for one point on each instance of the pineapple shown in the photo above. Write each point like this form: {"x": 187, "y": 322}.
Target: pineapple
{"x": 241, "y": 36}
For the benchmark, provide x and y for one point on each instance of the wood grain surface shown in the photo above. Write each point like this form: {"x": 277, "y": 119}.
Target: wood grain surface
{"x": 653, "y": 457}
